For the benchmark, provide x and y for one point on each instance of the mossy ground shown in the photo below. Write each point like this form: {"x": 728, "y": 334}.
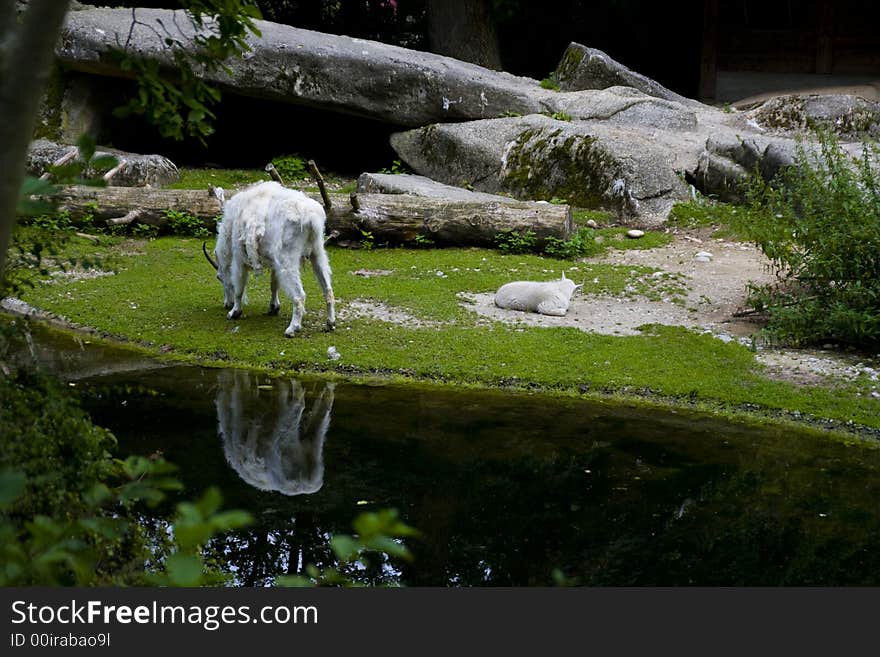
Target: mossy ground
{"x": 164, "y": 295}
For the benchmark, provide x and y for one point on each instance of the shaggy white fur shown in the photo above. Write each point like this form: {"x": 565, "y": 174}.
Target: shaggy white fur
{"x": 547, "y": 298}
{"x": 269, "y": 225}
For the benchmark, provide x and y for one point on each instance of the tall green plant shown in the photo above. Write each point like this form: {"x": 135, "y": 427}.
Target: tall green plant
{"x": 819, "y": 224}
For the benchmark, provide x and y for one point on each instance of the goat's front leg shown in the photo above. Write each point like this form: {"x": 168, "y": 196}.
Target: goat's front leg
{"x": 298, "y": 294}
{"x": 274, "y": 302}
{"x": 239, "y": 281}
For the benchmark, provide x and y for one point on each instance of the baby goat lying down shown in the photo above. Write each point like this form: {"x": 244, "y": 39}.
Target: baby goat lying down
{"x": 269, "y": 225}
{"x": 547, "y": 298}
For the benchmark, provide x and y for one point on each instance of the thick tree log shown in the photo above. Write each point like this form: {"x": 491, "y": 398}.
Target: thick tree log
{"x": 110, "y": 205}
{"x": 400, "y": 218}
{"x": 391, "y": 218}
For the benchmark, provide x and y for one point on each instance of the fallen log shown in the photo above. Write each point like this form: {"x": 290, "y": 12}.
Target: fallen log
{"x": 144, "y": 205}
{"x": 401, "y": 218}
{"x": 390, "y": 218}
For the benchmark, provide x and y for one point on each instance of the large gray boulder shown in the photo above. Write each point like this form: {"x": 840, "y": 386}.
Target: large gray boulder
{"x": 729, "y": 159}
{"x": 849, "y": 116}
{"x": 338, "y": 73}
{"x": 407, "y": 183}
{"x": 610, "y": 138}
{"x": 590, "y": 164}
{"x": 135, "y": 170}
{"x": 582, "y": 67}
{"x": 624, "y": 106}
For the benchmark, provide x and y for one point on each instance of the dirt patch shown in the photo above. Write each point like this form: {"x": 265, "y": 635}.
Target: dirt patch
{"x": 715, "y": 273}
{"x": 359, "y": 308}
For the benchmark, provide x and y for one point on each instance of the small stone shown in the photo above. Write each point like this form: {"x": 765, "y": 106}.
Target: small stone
{"x": 875, "y": 394}
{"x": 332, "y": 354}
{"x": 703, "y": 256}
{"x": 635, "y": 233}
{"x": 592, "y": 224}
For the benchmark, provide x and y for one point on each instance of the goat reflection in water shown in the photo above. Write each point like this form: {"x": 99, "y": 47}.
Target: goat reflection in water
{"x": 268, "y": 438}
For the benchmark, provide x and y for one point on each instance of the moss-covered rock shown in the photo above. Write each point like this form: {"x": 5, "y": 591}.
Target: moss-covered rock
{"x": 591, "y": 164}
{"x": 848, "y": 116}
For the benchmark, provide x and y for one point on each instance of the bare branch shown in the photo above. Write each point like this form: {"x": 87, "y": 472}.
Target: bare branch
{"x": 119, "y": 167}
{"x": 61, "y": 161}
{"x": 316, "y": 174}
{"x": 131, "y": 217}
{"x": 273, "y": 172}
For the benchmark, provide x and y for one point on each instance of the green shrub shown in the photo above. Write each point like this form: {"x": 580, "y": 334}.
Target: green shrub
{"x": 397, "y": 167}
{"x": 184, "y": 224}
{"x": 550, "y": 82}
{"x": 515, "y": 241}
{"x": 819, "y": 224}
{"x": 582, "y": 245}
{"x": 291, "y": 167}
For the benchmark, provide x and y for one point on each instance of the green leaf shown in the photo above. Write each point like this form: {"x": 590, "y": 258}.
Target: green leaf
{"x": 344, "y": 547}
{"x": 32, "y": 207}
{"x": 184, "y": 569}
{"x": 12, "y": 485}
{"x": 86, "y": 146}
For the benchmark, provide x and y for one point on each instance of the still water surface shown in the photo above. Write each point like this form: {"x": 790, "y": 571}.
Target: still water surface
{"x": 505, "y": 488}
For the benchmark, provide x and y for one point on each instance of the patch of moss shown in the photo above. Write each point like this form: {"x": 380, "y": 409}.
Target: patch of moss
{"x": 568, "y": 65}
{"x": 541, "y": 164}
{"x": 49, "y": 121}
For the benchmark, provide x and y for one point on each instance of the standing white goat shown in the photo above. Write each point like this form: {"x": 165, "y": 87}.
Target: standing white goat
{"x": 267, "y": 224}
{"x": 547, "y": 298}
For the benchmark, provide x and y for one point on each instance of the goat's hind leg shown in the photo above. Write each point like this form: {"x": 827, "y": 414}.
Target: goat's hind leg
{"x": 290, "y": 281}
{"x": 321, "y": 267}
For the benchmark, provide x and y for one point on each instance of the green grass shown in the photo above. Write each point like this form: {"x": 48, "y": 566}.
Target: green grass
{"x": 167, "y": 298}
{"x": 225, "y": 178}
{"x": 704, "y": 213}
{"x": 232, "y": 178}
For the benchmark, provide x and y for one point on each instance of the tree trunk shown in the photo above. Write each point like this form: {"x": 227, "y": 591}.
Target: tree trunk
{"x": 464, "y": 29}
{"x": 26, "y": 52}
{"x": 144, "y": 205}
{"x": 400, "y": 218}
{"x": 390, "y": 218}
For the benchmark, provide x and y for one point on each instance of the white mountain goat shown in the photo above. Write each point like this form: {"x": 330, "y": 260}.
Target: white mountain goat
{"x": 267, "y": 224}
{"x": 547, "y": 298}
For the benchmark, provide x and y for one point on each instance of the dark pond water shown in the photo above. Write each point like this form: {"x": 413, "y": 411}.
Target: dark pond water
{"x": 504, "y": 487}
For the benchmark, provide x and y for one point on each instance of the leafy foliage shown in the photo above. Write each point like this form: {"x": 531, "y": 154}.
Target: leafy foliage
{"x": 68, "y": 509}
{"x": 181, "y": 107}
{"x": 182, "y": 223}
{"x": 397, "y": 167}
{"x": 290, "y": 167}
{"x": 819, "y": 224}
{"x": 515, "y": 241}
{"x": 377, "y": 536}
{"x": 551, "y": 82}
{"x": 582, "y": 245}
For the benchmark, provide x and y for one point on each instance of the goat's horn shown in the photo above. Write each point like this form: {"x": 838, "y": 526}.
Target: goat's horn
{"x": 205, "y": 251}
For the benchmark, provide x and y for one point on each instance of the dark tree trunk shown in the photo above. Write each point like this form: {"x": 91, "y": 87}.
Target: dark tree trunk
{"x": 464, "y": 29}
